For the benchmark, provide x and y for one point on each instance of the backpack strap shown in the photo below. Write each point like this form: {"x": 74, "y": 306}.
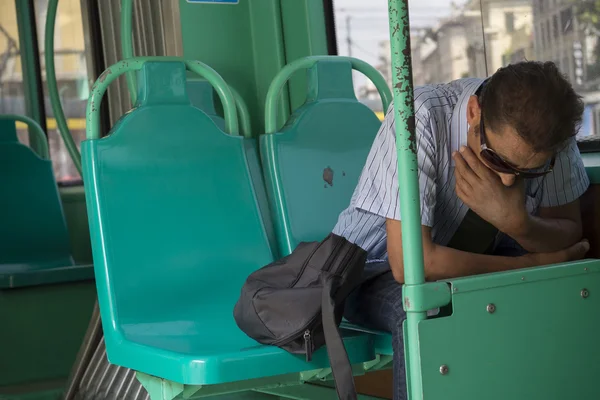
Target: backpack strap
{"x": 338, "y": 358}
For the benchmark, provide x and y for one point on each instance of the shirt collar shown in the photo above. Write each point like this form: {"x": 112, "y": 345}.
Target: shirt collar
{"x": 459, "y": 127}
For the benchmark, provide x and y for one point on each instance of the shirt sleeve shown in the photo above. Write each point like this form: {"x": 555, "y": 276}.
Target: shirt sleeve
{"x": 378, "y": 185}
{"x": 568, "y": 181}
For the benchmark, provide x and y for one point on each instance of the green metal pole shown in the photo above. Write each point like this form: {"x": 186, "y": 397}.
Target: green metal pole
{"x": 127, "y": 45}
{"x": 61, "y": 120}
{"x": 31, "y": 78}
{"x": 406, "y": 146}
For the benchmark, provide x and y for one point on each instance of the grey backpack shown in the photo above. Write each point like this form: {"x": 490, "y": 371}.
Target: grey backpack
{"x": 297, "y": 303}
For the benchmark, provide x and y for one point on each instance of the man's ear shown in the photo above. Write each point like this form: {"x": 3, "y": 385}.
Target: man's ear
{"x": 473, "y": 111}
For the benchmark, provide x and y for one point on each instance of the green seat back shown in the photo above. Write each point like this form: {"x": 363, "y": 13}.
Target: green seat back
{"x": 201, "y": 95}
{"x": 314, "y": 162}
{"x": 33, "y": 232}
{"x": 8, "y": 131}
{"x": 175, "y": 222}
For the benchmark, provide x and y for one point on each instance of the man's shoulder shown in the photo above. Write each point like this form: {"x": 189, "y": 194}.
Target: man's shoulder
{"x": 436, "y": 101}
{"x": 441, "y": 97}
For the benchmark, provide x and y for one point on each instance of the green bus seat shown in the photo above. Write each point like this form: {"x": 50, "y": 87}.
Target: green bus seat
{"x": 34, "y": 241}
{"x": 313, "y": 164}
{"x": 201, "y": 96}
{"x": 176, "y": 228}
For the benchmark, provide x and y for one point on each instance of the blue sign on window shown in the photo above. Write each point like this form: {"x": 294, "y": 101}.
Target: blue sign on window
{"x": 215, "y": 1}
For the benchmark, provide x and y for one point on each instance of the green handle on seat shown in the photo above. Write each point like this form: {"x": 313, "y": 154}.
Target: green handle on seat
{"x": 243, "y": 113}
{"x": 59, "y": 114}
{"x": 37, "y": 129}
{"x": 127, "y": 53}
{"x": 135, "y": 64}
{"x": 304, "y": 63}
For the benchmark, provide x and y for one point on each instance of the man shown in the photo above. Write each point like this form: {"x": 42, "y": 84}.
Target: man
{"x": 499, "y": 173}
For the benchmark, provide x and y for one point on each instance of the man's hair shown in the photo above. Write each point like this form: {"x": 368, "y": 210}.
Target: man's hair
{"x": 537, "y": 101}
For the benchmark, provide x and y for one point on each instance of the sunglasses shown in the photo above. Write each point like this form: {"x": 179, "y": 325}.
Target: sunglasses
{"x": 502, "y": 166}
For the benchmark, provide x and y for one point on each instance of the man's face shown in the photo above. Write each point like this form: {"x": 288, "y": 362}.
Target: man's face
{"x": 506, "y": 143}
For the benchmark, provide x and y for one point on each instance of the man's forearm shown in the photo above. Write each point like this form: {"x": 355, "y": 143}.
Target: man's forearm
{"x": 444, "y": 263}
{"x": 538, "y": 235}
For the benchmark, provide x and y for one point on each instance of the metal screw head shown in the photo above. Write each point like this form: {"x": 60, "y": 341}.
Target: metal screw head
{"x": 444, "y": 369}
{"x": 585, "y": 294}
{"x": 491, "y": 308}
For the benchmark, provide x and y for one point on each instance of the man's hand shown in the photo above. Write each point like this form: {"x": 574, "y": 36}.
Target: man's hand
{"x": 573, "y": 253}
{"x": 483, "y": 192}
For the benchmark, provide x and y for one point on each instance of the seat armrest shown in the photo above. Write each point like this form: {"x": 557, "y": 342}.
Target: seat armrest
{"x": 36, "y": 277}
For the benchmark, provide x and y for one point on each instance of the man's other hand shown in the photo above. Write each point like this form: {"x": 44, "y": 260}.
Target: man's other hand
{"x": 482, "y": 191}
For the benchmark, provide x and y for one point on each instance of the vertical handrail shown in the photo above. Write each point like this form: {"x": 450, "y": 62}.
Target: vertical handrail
{"x": 408, "y": 182}
{"x": 31, "y": 68}
{"x": 61, "y": 121}
{"x": 127, "y": 45}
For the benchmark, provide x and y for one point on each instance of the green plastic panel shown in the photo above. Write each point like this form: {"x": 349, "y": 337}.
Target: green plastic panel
{"x": 42, "y": 329}
{"x": 530, "y": 334}
{"x": 201, "y": 95}
{"x": 304, "y": 35}
{"x": 73, "y": 201}
{"x": 592, "y": 166}
{"x": 33, "y": 232}
{"x": 176, "y": 229}
{"x": 33, "y": 394}
{"x": 253, "y": 29}
{"x": 313, "y": 164}
{"x": 8, "y": 131}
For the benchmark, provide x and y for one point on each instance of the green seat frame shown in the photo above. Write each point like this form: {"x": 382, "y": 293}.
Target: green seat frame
{"x": 177, "y": 224}
{"x": 34, "y": 240}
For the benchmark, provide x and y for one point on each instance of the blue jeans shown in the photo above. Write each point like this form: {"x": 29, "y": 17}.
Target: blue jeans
{"x": 377, "y": 304}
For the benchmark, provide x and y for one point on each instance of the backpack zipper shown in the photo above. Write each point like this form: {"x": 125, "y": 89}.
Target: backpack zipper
{"x": 285, "y": 339}
{"x": 308, "y": 345}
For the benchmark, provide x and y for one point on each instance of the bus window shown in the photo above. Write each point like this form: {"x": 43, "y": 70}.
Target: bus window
{"x": 12, "y": 99}
{"x": 446, "y": 36}
{"x": 72, "y": 78}
{"x": 448, "y": 43}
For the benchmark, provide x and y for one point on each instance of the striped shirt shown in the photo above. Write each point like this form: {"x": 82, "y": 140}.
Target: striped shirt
{"x": 441, "y": 129}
